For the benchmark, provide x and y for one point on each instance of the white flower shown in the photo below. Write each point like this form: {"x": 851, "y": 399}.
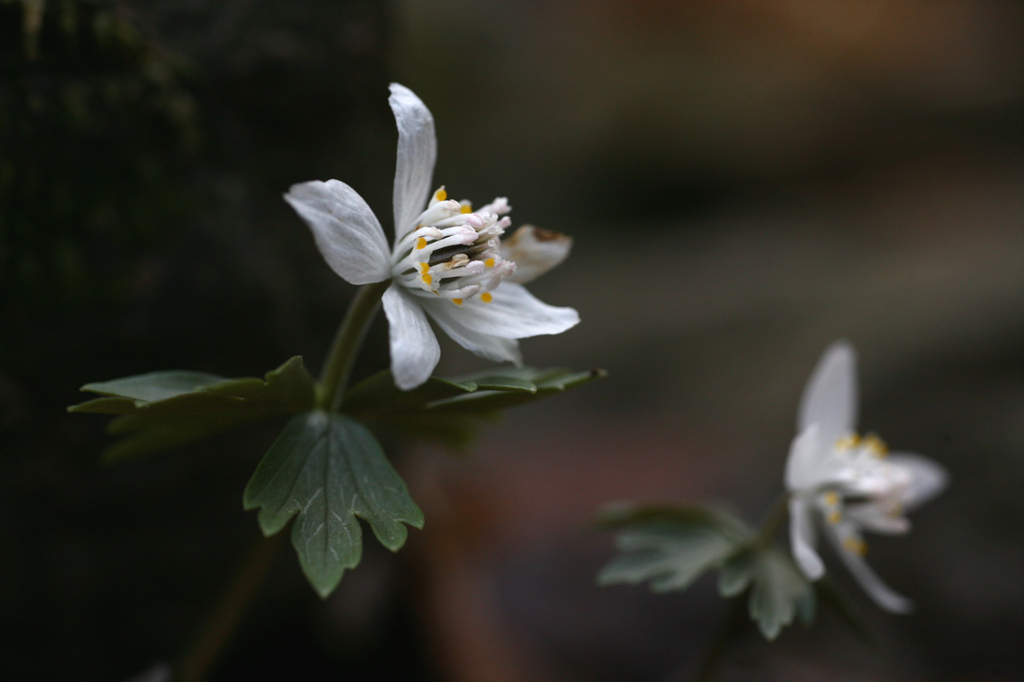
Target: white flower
{"x": 446, "y": 261}
{"x": 848, "y": 482}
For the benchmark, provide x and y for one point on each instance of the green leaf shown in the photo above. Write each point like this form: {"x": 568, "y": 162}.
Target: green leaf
{"x": 329, "y": 469}
{"x": 144, "y": 434}
{"x": 779, "y": 592}
{"x": 669, "y": 546}
{"x": 450, "y": 411}
{"x": 672, "y": 546}
{"x": 626, "y": 514}
{"x": 454, "y": 431}
{"x": 736, "y": 574}
{"x": 162, "y": 410}
{"x": 287, "y": 389}
{"x": 512, "y": 388}
{"x": 378, "y": 394}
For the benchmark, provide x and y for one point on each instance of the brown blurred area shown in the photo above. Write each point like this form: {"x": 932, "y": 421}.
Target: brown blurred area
{"x": 745, "y": 182}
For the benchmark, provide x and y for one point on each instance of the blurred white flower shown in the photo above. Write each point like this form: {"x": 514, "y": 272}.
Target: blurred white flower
{"x": 851, "y": 483}
{"x": 446, "y": 260}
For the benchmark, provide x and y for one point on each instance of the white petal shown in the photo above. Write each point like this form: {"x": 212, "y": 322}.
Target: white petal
{"x": 927, "y": 478}
{"x": 813, "y": 463}
{"x": 880, "y": 593}
{"x": 830, "y": 397}
{"x": 346, "y": 231}
{"x": 513, "y": 313}
{"x": 802, "y": 539}
{"x": 414, "y": 348}
{"x": 804, "y": 453}
{"x": 534, "y": 251}
{"x": 417, "y": 154}
{"x": 494, "y": 348}
{"x": 875, "y": 517}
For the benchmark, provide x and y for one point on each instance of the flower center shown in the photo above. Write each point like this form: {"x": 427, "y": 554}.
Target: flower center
{"x": 454, "y": 252}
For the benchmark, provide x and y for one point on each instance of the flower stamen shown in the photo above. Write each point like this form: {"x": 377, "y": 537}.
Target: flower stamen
{"x": 876, "y": 446}
{"x": 855, "y": 546}
{"x": 848, "y": 442}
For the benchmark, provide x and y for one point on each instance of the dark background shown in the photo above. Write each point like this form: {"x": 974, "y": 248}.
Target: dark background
{"x": 745, "y": 181}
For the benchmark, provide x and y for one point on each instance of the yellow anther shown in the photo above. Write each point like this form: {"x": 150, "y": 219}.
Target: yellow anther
{"x": 489, "y": 262}
{"x": 441, "y": 195}
{"x": 457, "y": 301}
{"x": 835, "y": 517}
{"x": 421, "y": 243}
{"x": 848, "y": 442}
{"x": 466, "y": 208}
{"x": 486, "y": 297}
{"x": 858, "y": 547}
{"x": 427, "y": 279}
{"x": 876, "y": 445}
{"x": 831, "y": 498}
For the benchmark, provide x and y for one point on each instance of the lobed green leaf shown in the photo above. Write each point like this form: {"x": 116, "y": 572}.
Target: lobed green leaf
{"x": 449, "y": 411}
{"x": 521, "y": 385}
{"x": 672, "y": 546}
{"x": 779, "y": 592}
{"x": 289, "y": 388}
{"x": 328, "y": 469}
{"x": 378, "y": 394}
{"x": 161, "y": 410}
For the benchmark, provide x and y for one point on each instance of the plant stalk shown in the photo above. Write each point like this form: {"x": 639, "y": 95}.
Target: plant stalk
{"x": 201, "y": 655}
{"x": 346, "y": 343}
{"x": 733, "y": 620}
{"x": 772, "y": 522}
{"x": 715, "y": 653}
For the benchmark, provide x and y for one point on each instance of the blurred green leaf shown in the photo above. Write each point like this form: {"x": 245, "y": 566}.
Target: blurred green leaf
{"x": 669, "y": 546}
{"x": 454, "y": 431}
{"x": 329, "y": 469}
{"x": 737, "y": 573}
{"x": 631, "y": 514}
{"x": 145, "y": 434}
{"x": 287, "y": 389}
{"x": 779, "y": 592}
{"x": 672, "y": 546}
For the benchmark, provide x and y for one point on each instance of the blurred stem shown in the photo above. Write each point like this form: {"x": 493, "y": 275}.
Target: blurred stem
{"x": 346, "y": 343}
{"x": 199, "y": 658}
{"x": 772, "y": 522}
{"x": 731, "y": 622}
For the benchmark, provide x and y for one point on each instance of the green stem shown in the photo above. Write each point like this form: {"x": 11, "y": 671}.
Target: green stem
{"x": 772, "y": 522}
{"x": 201, "y": 655}
{"x": 346, "y": 342}
{"x": 713, "y": 655}
{"x": 734, "y": 618}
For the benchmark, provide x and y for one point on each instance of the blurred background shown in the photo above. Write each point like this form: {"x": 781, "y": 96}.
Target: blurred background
{"x": 745, "y": 182}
